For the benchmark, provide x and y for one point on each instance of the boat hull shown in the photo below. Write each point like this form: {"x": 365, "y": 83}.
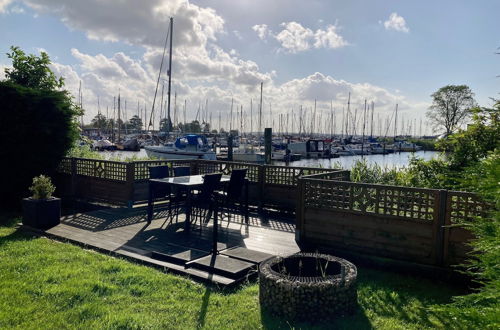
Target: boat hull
{"x": 162, "y": 153}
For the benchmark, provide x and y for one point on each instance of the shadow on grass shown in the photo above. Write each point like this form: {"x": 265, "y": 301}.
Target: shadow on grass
{"x": 203, "y": 309}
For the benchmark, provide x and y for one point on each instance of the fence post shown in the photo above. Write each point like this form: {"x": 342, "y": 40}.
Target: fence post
{"x": 73, "y": 177}
{"x": 300, "y": 211}
{"x": 130, "y": 183}
{"x": 439, "y": 223}
{"x": 262, "y": 180}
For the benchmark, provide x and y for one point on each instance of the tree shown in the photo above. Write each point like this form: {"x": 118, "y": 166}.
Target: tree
{"x": 32, "y": 71}
{"x": 482, "y": 136}
{"x": 450, "y": 107}
{"x": 38, "y": 125}
{"x": 135, "y": 123}
{"x": 99, "y": 121}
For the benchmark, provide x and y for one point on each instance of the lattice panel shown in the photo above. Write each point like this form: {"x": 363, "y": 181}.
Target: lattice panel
{"x": 285, "y": 175}
{"x": 371, "y": 199}
{"x": 102, "y": 169}
{"x": 465, "y": 206}
{"x": 64, "y": 166}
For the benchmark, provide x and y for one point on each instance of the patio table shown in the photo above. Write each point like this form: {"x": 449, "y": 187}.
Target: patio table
{"x": 190, "y": 183}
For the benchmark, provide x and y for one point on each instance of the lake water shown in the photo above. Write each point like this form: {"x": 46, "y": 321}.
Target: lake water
{"x": 399, "y": 159}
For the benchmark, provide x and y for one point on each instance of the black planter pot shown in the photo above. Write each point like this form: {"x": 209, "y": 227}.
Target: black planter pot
{"x": 41, "y": 213}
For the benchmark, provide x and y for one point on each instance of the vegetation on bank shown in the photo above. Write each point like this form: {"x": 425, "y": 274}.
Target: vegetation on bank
{"x": 48, "y": 284}
{"x": 471, "y": 163}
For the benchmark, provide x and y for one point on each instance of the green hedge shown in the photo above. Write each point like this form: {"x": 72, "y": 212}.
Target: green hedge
{"x": 36, "y": 130}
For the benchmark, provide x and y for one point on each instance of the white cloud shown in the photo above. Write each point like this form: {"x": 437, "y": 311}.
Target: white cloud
{"x": 295, "y": 38}
{"x": 237, "y": 34}
{"x": 262, "y": 30}
{"x": 396, "y": 23}
{"x": 136, "y": 22}
{"x": 3, "y": 5}
{"x": 201, "y": 69}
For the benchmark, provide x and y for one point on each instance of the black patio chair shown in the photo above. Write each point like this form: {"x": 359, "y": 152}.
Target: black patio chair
{"x": 231, "y": 199}
{"x": 161, "y": 191}
{"x": 179, "y": 192}
{"x": 204, "y": 203}
{"x": 182, "y": 171}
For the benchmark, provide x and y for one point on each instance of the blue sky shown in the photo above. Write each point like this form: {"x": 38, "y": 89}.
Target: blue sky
{"x": 308, "y": 49}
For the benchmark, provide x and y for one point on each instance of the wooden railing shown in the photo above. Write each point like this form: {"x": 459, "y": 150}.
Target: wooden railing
{"x": 419, "y": 225}
{"x": 126, "y": 182}
{"x": 398, "y": 222}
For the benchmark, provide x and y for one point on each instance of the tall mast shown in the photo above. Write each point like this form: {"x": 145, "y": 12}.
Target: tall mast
{"x": 119, "y": 117}
{"x": 169, "y": 122}
{"x": 260, "y": 108}
{"x": 175, "y": 108}
{"x": 363, "y": 136}
{"x": 396, "y": 122}
{"x": 251, "y": 114}
{"x": 348, "y": 113}
{"x": 231, "y": 117}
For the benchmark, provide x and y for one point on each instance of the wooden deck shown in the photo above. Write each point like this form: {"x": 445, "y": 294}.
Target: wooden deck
{"x": 125, "y": 232}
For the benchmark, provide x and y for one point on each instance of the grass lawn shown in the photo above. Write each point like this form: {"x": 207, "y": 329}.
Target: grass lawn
{"x": 48, "y": 284}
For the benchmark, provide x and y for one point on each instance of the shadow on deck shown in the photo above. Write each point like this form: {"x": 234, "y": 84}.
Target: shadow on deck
{"x": 166, "y": 244}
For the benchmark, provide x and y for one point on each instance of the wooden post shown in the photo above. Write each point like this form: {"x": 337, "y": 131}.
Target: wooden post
{"x": 438, "y": 228}
{"x": 261, "y": 183}
{"x": 268, "y": 140}
{"x": 300, "y": 211}
{"x": 230, "y": 147}
{"x": 73, "y": 177}
{"x": 130, "y": 183}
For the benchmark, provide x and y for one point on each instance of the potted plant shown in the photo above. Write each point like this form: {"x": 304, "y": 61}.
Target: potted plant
{"x": 41, "y": 210}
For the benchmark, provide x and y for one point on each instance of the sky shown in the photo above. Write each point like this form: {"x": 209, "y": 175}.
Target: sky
{"x": 386, "y": 52}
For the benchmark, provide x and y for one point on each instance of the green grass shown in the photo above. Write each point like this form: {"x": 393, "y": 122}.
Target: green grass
{"x": 47, "y": 284}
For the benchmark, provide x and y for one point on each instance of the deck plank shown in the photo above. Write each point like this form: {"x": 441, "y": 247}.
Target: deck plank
{"x": 125, "y": 232}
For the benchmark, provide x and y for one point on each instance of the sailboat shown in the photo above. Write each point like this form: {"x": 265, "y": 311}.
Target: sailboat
{"x": 190, "y": 146}
{"x": 246, "y": 151}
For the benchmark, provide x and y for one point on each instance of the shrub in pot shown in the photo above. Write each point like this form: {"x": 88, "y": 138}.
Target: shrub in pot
{"x": 41, "y": 210}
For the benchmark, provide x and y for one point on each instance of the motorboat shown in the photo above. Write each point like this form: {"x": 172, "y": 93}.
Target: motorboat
{"x": 190, "y": 146}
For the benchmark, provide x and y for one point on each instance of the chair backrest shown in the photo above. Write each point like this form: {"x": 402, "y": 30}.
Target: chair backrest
{"x": 210, "y": 183}
{"x": 182, "y": 171}
{"x": 158, "y": 172}
{"x": 236, "y": 183}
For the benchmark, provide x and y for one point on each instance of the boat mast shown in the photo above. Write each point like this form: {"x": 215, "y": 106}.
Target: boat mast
{"x": 260, "y": 108}
{"x": 371, "y": 126}
{"x": 396, "y": 122}
{"x": 169, "y": 122}
{"x": 119, "y": 117}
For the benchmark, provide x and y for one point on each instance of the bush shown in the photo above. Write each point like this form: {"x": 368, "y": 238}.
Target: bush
{"x": 480, "y": 309}
{"x": 42, "y": 187}
{"x": 36, "y": 131}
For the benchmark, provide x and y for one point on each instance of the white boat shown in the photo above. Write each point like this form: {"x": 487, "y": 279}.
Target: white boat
{"x": 407, "y": 146}
{"x": 248, "y": 154}
{"x": 103, "y": 144}
{"x": 190, "y": 146}
{"x": 378, "y": 149}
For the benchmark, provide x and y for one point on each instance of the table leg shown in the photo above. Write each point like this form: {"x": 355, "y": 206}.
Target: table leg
{"x": 150, "y": 202}
{"x": 246, "y": 203}
{"x": 215, "y": 232}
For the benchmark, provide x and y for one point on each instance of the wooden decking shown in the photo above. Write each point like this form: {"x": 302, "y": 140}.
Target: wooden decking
{"x": 125, "y": 232}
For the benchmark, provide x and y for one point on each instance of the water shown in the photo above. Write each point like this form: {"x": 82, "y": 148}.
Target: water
{"x": 391, "y": 160}
{"x": 397, "y": 159}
